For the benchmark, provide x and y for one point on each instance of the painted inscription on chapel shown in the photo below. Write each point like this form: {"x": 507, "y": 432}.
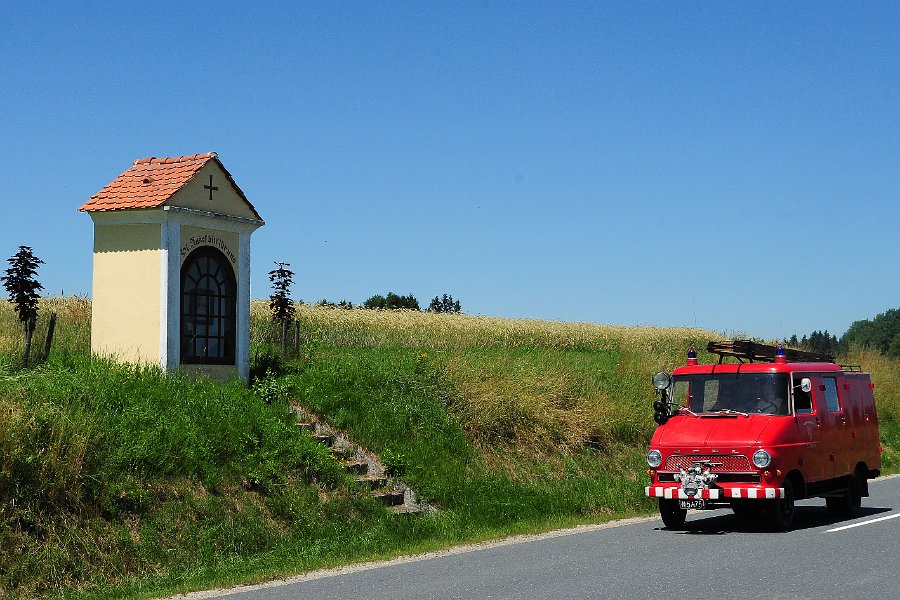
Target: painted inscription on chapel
{"x": 215, "y": 241}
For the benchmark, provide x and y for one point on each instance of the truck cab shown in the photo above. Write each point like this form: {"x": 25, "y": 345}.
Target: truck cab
{"x": 774, "y": 426}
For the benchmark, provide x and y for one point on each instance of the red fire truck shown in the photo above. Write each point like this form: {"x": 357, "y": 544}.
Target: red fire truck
{"x": 774, "y": 426}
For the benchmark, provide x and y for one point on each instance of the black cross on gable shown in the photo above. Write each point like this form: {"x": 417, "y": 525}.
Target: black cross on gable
{"x": 211, "y": 188}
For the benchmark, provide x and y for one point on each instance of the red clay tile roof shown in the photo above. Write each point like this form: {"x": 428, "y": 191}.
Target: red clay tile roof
{"x": 150, "y": 182}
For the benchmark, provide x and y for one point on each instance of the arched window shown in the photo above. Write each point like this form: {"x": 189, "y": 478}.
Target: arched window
{"x": 208, "y": 312}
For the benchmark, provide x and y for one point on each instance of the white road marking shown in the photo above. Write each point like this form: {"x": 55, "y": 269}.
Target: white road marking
{"x": 864, "y": 523}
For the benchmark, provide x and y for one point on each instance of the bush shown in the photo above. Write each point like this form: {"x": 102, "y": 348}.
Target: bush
{"x": 266, "y": 363}
{"x": 392, "y": 302}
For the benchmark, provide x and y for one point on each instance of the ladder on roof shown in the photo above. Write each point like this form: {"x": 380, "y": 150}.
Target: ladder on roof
{"x": 747, "y": 350}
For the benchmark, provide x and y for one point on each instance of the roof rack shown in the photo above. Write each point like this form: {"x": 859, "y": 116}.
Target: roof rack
{"x": 745, "y": 349}
{"x": 851, "y": 368}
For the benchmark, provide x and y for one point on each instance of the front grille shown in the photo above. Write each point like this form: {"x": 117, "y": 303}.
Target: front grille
{"x": 729, "y": 462}
{"x": 722, "y": 477}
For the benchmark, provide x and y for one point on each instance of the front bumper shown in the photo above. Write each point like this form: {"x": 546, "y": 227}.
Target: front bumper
{"x": 731, "y": 492}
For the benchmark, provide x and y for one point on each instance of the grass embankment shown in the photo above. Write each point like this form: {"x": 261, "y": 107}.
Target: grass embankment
{"x": 117, "y": 481}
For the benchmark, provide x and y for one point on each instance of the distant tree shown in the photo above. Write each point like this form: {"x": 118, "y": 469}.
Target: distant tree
{"x": 22, "y": 285}
{"x": 880, "y": 334}
{"x": 280, "y": 302}
{"x": 376, "y": 301}
{"x": 408, "y": 302}
{"x": 894, "y": 347}
{"x": 392, "y": 302}
{"x": 818, "y": 341}
{"x": 342, "y": 304}
{"x": 444, "y": 304}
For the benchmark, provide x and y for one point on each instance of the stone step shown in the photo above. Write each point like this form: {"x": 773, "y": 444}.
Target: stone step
{"x": 373, "y": 481}
{"x": 389, "y": 498}
{"x": 324, "y": 438}
{"x": 360, "y": 467}
{"x": 359, "y": 463}
{"x": 343, "y": 452}
{"x": 404, "y": 509}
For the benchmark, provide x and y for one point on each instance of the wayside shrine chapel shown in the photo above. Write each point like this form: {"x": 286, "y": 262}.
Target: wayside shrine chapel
{"x": 171, "y": 281}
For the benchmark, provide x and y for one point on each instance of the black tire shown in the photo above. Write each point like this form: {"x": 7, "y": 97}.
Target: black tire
{"x": 781, "y": 511}
{"x": 847, "y": 506}
{"x": 672, "y": 515}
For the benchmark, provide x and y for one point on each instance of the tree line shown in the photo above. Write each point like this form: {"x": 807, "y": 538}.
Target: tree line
{"x": 442, "y": 304}
{"x": 882, "y": 334}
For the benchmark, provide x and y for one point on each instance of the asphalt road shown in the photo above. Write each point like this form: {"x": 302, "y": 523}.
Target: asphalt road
{"x": 717, "y": 555}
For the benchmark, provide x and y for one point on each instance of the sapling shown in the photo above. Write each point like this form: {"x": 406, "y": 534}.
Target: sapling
{"x": 21, "y": 284}
{"x": 280, "y": 303}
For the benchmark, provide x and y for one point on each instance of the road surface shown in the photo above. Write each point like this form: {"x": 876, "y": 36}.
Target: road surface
{"x": 716, "y": 555}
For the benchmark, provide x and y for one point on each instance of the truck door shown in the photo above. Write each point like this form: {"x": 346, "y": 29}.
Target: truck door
{"x": 866, "y": 419}
{"x": 809, "y": 435}
{"x": 835, "y": 428}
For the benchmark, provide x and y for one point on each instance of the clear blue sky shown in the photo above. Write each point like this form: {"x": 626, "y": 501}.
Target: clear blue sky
{"x": 734, "y": 166}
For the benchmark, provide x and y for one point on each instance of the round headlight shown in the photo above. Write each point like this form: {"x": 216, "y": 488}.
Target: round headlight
{"x": 661, "y": 380}
{"x": 762, "y": 459}
{"x": 654, "y": 458}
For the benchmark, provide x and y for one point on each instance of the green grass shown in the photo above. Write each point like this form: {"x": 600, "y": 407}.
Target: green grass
{"x": 124, "y": 482}
{"x": 397, "y": 402}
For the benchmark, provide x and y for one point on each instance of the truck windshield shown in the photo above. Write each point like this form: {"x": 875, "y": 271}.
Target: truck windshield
{"x": 721, "y": 393}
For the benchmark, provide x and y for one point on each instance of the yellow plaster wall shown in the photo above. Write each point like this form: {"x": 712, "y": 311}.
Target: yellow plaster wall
{"x": 195, "y": 237}
{"x": 126, "y": 292}
{"x": 225, "y": 200}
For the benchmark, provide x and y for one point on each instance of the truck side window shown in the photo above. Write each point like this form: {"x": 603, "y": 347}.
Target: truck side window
{"x": 831, "y": 395}
{"x": 802, "y": 402}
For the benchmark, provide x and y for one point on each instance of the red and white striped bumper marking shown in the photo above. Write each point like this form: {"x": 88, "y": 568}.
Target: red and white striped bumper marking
{"x": 748, "y": 493}
{"x": 767, "y": 493}
{"x": 676, "y": 493}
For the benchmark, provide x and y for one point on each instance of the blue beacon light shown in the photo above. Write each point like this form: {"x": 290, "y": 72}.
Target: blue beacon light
{"x": 692, "y": 356}
{"x": 780, "y": 355}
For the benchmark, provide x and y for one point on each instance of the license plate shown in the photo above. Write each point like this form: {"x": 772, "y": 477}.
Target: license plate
{"x": 695, "y": 504}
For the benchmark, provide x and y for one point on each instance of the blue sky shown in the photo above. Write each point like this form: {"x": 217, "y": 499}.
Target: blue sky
{"x": 730, "y": 166}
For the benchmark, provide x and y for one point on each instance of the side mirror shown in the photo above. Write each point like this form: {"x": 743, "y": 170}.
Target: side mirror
{"x": 805, "y": 385}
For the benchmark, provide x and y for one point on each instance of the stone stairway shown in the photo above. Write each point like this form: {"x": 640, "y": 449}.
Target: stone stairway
{"x": 365, "y": 466}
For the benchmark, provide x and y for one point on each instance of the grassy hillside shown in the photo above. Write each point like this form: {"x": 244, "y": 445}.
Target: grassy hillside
{"x": 119, "y": 481}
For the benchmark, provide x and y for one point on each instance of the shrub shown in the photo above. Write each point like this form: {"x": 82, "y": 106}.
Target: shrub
{"x": 392, "y": 302}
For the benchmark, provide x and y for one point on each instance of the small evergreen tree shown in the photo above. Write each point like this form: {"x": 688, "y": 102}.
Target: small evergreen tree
{"x": 22, "y": 285}
{"x": 280, "y": 303}
{"x": 444, "y": 304}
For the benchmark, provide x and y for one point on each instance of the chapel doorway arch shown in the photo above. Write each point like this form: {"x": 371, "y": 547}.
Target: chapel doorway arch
{"x": 208, "y": 308}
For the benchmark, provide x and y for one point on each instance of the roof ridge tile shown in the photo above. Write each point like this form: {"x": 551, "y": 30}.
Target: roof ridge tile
{"x": 150, "y": 182}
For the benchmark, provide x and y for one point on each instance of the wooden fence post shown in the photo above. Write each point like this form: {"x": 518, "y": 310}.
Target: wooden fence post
{"x": 50, "y": 329}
